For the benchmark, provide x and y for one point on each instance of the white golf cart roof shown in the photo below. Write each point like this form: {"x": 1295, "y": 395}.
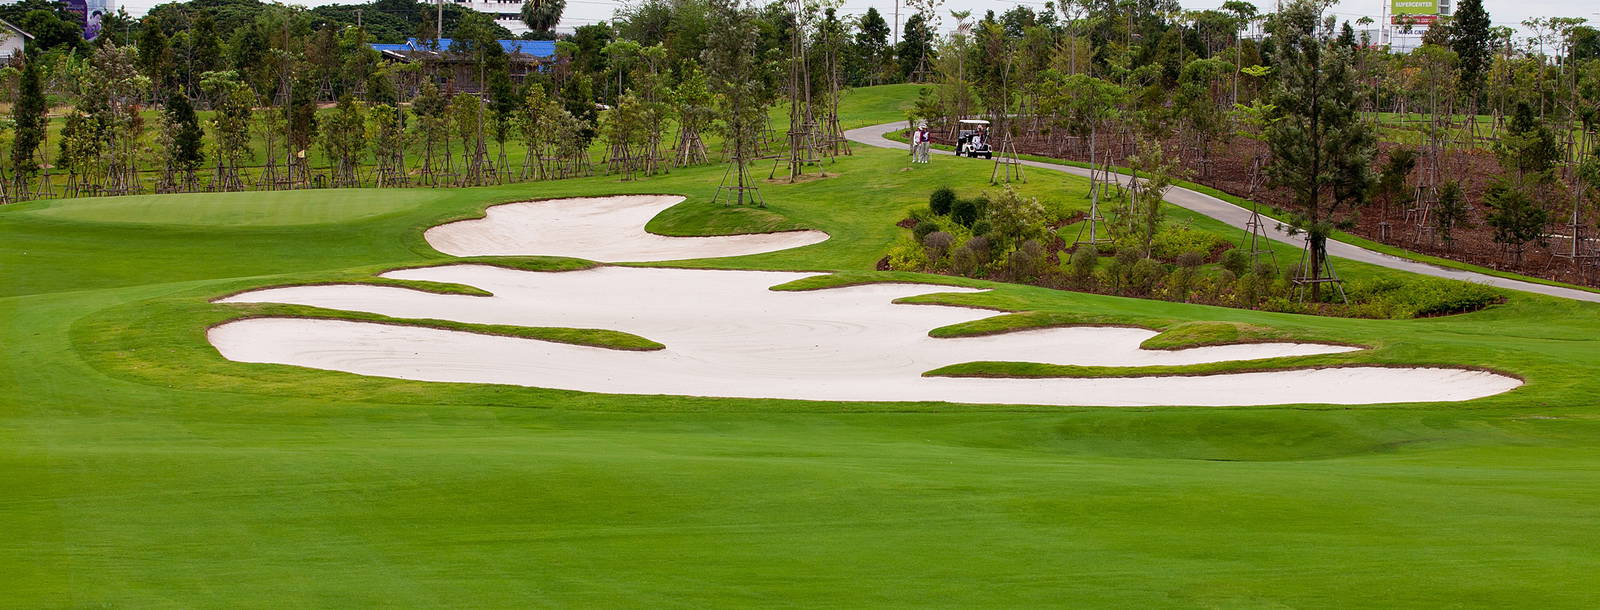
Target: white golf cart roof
{"x": 974, "y": 122}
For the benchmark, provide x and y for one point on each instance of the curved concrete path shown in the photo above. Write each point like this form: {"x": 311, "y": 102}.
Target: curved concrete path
{"x": 1238, "y": 217}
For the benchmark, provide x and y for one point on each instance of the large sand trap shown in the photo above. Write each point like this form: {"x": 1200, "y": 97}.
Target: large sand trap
{"x": 727, "y": 335}
{"x": 609, "y": 229}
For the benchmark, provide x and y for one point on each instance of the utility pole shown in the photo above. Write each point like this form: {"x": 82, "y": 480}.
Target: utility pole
{"x": 896, "y": 23}
{"x": 438, "y": 31}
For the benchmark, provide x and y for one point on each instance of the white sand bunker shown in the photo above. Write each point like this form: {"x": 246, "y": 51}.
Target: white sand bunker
{"x": 607, "y": 229}
{"x": 727, "y": 335}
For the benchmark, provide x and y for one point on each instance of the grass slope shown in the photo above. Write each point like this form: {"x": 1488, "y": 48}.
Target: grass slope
{"x": 138, "y": 468}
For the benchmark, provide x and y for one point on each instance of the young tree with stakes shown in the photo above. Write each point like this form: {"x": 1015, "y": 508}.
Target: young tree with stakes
{"x": 1321, "y": 149}
{"x": 735, "y": 74}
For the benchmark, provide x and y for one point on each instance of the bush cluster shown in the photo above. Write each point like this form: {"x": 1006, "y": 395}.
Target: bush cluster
{"x": 1006, "y": 236}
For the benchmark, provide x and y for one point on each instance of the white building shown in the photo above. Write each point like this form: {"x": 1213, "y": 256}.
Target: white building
{"x": 14, "y": 40}
{"x": 507, "y": 13}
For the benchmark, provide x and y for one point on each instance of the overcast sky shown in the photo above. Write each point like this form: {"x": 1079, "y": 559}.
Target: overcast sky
{"x": 1501, "y": 12}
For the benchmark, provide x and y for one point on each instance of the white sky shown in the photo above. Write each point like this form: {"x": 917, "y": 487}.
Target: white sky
{"x": 1501, "y": 12}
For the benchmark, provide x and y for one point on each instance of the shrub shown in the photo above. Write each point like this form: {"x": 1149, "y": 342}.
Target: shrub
{"x": 1026, "y": 262}
{"x": 1181, "y": 284}
{"x": 980, "y": 246}
{"x": 981, "y": 202}
{"x": 964, "y": 212}
{"x": 1236, "y": 262}
{"x": 937, "y": 244}
{"x": 1248, "y": 289}
{"x": 1083, "y": 262}
{"x": 941, "y": 200}
{"x": 1283, "y": 304}
{"x": 907, "y": 255}
{"x": 982, "y": 227}
{"x": 1266, "y": 271}
{"x": 1173, "y": 241}
{"x": 1396, "y": 298}
{"x": 1119, "y": 272}
{"x": 1145, "y": 276}
{"x": 923, "y": 229}
{"x": 1191, "y": 260}
{"x": 1222, "y": 287}
{"x": 1016, "y": 218}
{"x": 964, "y": 261}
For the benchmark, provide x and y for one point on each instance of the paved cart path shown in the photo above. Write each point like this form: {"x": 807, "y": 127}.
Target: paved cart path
{"x": 1238, "y": 217}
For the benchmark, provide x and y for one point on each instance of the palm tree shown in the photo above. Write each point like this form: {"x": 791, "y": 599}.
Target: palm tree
{"x": 542, "y": 15}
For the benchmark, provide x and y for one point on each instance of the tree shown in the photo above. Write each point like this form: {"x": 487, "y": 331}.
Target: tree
{"x": 433, "y": 123}
{"x": 741, "y": 80}
{"x": 1199, "y": 104}
{"x": 1156, "y": 170}
{"x": 52, "y": 29}
{"x": 387, "y": 135}
{"x": 300, "y": 122}
{"x": 871, "y": 50}
{"x": 1471, "y": 43}
{"x": 155, "y": 55}
{"x": 1391, "y": 187}
{"x": 1083, "y": 105}
{"x": 466, "y": 115}
{"x": 542, "y": 15}
{"x": 81, "y": 147}
{"x": 1528, "y": 148}
{"x": 232, "y": 102}
{"x": 693, "y": 105}
{"x": 530, "y": 121}
{"x": 915, "y": 46}
{"x": 29, "y": 115}
{"x": 503, "y": 102}
{"x": 184, "y": 139}
{"x": 1321, "y": 148}
{"x": 1450, "y": 212}
{"x": 343, "y": 136}
{"x": 1516, "y": 219}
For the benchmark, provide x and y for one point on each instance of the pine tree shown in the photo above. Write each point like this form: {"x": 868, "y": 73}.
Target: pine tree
{"x": 871, "y": 49}
{"x": 28, "y": 114}
{"x": 1321, "y": 148}
{"x": 1471, "y": 43}
{"x": 1516, "y": 219}
{"x": 185, "y": 153}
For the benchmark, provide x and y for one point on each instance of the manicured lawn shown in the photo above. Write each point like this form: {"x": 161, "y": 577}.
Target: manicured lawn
{"x": 138, "y": 468}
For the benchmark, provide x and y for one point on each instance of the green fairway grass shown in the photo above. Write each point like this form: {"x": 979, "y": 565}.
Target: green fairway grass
{"x": 138, "y": 468}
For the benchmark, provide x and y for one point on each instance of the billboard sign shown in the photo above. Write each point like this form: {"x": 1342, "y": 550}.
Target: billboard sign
{"x": 91, "y": 12}
{"x": 1402, "y": 20}
{"x": 1414, "y": 7}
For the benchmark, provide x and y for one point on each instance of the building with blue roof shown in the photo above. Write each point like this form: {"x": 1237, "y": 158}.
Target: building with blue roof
{"x": 457, "y": 71}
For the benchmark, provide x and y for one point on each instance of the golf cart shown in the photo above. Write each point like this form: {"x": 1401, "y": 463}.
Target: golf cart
{"x": 974, "y": 140}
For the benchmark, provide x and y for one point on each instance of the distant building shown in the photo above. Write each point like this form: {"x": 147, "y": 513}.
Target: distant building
{"x": 14, "y": 40}
{"x": 457, "y": 70}
{"x": 507, "y": 13}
